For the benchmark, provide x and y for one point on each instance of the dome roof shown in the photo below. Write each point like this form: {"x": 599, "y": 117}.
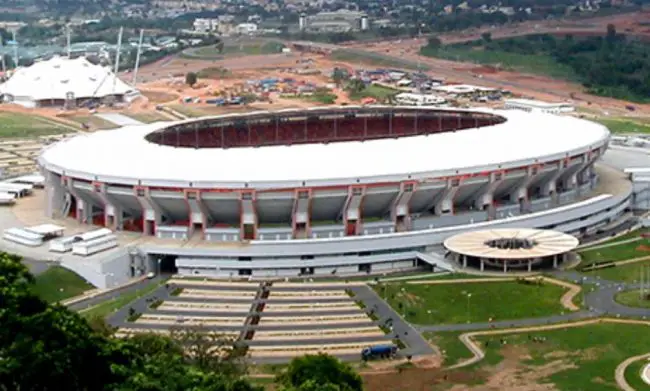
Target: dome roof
{"x": 57, "y": 77}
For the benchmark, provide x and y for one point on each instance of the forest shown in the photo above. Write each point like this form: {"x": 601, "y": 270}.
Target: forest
{"x": 613, "y": 65}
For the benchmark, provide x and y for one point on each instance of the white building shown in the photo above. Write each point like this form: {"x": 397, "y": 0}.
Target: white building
{"x": 246, "y": 28}
{"x": 538, "y": 106}
{"x": 60, "y": 80}
{"x": 410, "y": 99}
{"x": 205, "y": 25}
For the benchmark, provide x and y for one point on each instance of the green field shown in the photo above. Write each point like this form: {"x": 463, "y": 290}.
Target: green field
{"x": 374, "y": 91}
{"x": 15, "y": 125}
{"x": 108, "y": 307}
{"x": 451, "y": 348}
{"x": 147, "y": 117}
{"x": 449, "y": 303}
{"x": 375, "y": 59}
{"x": 633, "y": 375}
{"x": 614, "y": 253}
{"x": 632, "y": 299}
{"x": 624, "y": 273}
{"x": 584, "y": 357}
{"x": 94, "y": 122}
{"x": 535, "y": 64}
{"x": 58, "y": 283}
{"x": 625, "y": 126}
{"x": 244, "y": 48}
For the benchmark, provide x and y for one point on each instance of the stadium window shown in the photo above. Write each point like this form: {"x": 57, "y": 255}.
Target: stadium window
{"x": 140, "y": 192}
{"x": 303, "y": 195}
{"x": 455, "y": 182}
{"x": 247, "y": 196}
{"x": 357, "y": 191}
{"x": 408, "y": 188}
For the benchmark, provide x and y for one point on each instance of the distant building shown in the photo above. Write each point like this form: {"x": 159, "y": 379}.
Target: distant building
{"x": 538, "y": 106}
{"x": 204, "y": 25}
{"x": 342, "y": 20}
{"x": 410, "y": 99}
{"x": 246, "y": 28}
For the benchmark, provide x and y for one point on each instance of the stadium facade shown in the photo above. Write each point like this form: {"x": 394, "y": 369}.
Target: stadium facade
{"x": 336, "y": 189}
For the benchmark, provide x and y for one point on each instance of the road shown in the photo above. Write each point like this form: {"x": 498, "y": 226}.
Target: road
{"x": 112, "y": 294}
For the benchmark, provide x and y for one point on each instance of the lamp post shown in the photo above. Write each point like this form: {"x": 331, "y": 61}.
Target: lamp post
{"x": 469, "y": 295}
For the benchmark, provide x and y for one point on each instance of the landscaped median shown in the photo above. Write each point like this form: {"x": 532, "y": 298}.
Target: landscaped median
{"x": 295, "y": 335}
{"x": 300, "y": 350}
{"x": 316, "y": 320}
{"x": 218, "y": 294}
{"x": 109, "y": 306}
{"x": 191, "y": 306}
{"x": 348, "y": 305}
{"x": 477, "y": 300}
{"x": 159, "y": 319}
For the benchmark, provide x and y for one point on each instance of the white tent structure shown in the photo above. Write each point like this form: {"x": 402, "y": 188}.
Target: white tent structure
{"x": 60, "y": 80}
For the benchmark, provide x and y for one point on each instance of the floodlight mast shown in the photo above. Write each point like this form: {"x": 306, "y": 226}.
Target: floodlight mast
{"x": 117, "y": 57}
{"x": 137, "y": 59}
{"x": 13, "y": 33}
{"x": 67, "y": 39}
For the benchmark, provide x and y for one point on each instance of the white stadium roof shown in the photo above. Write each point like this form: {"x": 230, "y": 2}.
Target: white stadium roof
{"x": 125, "y": 156}
{"x": 58, "y": 76}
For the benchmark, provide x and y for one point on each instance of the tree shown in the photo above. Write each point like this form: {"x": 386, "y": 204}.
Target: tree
{"x": 191, "y": 79}
{"x": 486, "y": 37}
{"x": 611, "y": 33}
{"x": 45, "y": 347}
{"x": 434, "y": 43}
{"x": 219, "y": 46}
{"x": 319, "y": 372}
{"x": 339, "y": 76}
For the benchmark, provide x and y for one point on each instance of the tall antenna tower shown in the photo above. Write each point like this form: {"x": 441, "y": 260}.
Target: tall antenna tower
{"x": 117, "y": 56}
{"x": 67, "y": 39}
{"x": 13, "y": 33}
{"x": 2, "y": 56}
{"x": 137, "y": 59}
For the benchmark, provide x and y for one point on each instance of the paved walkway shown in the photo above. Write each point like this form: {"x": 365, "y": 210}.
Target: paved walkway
{"x": 619, "y": 374}
{"x": 118, "y": 119}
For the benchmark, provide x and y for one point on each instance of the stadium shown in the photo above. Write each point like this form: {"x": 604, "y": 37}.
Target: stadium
{"x": 312, "y": 191}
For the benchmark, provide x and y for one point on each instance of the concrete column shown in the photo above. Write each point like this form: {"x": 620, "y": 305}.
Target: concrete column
{"x": 151, "y": 211}
{"x": 55, "y": 195}
{"x": 248, "y": 219}
{"x": 84, "y": 210}
{"x": 482, "y": 264}
{"x": 530, "y": 266}
{"x": 301, "y": 220}
{"x": 445, "y": 203}
{"x": 520, "y": 192}
{"x": 351, "y": 212}
{"x": 400, "y": 207}
{"x": 549, "y": 188}
{"x": 197, "y": 210}
{"x": 464, "y": 257}
{"x": 555, "y": 261}
{"x": 112, "y": 209}
{"x": 485, "y": 198}
{"x": 505, "y": 266}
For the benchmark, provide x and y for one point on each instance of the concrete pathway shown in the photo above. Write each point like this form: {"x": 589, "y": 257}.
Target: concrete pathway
{"x": 118, "y": 119}
{"x": 619, "y": 374}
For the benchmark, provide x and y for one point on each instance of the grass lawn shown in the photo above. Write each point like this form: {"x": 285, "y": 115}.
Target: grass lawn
{"x": 375, "y": 59}
{"x": 15, "y": 125}
{"x": 195, "y": 110}
{"x": 147, "y": 117}
{"x": 625, "y": 126}
{"x": 632, "y": 299}
{"x": 535, "y": 64}
{"x": 633, "y": 375}
{"x": 108, "y": 307}
{"x": 58, "y": 283}
{"x": 94, "y": 122}
{"x": 451, "y": 349}
{"x": 375, "y": 91}
{"x": 618, "y": 252}
{"x": 636, "y": 234}
{"x": 624, "y": 273}
{"x": 234, "y": 49}
{"x": 449, "y": 303}
{"x": 579, "y": 358}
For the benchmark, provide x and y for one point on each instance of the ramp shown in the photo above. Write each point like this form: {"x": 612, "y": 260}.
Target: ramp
{"x": 436, "y": 260}
{"x": 118, "y": 119}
